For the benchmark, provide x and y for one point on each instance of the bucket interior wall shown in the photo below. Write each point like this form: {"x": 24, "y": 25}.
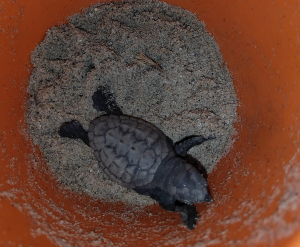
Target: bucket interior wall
{"x": 255, "y": 186}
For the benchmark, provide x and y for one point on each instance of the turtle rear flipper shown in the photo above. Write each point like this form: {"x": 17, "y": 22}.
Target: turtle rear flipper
{"x": 74, "y": 130}
{"x": 103, "y": 100}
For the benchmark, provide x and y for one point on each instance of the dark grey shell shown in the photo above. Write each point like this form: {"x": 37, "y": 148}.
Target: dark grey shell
{"x": 128, "y": 149}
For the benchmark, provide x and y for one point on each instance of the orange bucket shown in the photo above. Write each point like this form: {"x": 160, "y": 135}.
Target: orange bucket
{"x": 255, "y": 187}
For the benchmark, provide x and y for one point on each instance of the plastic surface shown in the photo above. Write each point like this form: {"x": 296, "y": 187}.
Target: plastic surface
{"x": 255, "y": 187}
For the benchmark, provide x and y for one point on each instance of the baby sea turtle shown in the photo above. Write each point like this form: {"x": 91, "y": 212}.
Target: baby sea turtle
{"x": 137, "y": 155}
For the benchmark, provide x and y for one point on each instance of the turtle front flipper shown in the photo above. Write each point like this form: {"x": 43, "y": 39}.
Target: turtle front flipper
{"x": 74, "y": 130}
{"x": 182, "y": 147}
{"x": 103, "y": 100}
{"x": 187, "y": 212}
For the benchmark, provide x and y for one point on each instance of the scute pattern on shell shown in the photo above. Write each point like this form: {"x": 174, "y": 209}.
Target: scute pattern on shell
{"x": 128, "y": 149}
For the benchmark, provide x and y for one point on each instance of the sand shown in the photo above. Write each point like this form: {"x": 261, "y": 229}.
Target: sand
{"x": 161, "y": 65}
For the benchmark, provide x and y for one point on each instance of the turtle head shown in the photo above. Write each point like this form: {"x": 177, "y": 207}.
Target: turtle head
{"x": 187, "y": 184}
